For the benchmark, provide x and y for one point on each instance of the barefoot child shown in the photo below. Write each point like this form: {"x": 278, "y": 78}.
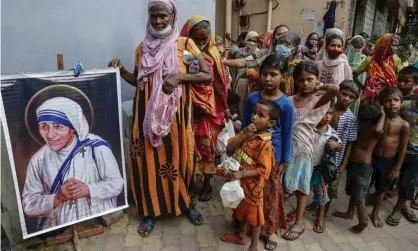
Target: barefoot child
{"x": 409, "y": 169}
{"x": 390, "y": 150}
{"x": 309, "y": 110}
{"x": 325, "y": 135}
{"x": 359, "y": 170}
{"x": 253, "y": 148}
{"x": 270, "y": 77}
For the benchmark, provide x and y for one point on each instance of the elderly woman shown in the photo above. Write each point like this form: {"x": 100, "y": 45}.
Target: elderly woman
{"x": 331, "y": 61}
{"x": 209, "y": 100}
{"x": 382, "y": 68}
{"x": 355, "y": 57}
{"x": 162, "y": 147}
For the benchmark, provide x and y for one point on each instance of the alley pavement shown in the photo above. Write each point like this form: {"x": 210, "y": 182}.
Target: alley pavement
{"x": 177, "y": 234}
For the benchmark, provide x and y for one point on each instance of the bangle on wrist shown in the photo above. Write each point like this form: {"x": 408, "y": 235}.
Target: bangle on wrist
{"x": 227, "y": 110}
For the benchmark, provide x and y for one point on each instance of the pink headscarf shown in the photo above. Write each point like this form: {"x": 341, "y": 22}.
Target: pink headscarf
{"x": 159, "y": 57}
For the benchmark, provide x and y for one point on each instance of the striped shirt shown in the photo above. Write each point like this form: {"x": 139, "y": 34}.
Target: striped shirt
{"x": 347, "y": 130}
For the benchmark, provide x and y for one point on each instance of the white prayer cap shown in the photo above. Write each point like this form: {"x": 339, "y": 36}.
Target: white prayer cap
{"x": 65, "y": 112}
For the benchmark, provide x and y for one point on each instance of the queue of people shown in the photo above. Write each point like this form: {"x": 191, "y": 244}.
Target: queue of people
{"x": 304, "y": 115}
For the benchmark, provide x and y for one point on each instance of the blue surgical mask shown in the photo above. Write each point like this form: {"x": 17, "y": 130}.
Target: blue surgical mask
{"x": 283, "y": 51}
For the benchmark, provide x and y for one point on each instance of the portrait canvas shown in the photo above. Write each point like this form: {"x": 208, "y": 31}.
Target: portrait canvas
{"x": 64, "y": 140}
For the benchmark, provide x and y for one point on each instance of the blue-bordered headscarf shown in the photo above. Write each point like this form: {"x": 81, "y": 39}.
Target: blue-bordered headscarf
{"x": 66, "y": 112}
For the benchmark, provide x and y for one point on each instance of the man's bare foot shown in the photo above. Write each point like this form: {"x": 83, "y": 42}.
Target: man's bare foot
{"x": 252, "y": 248}
{"x": 376, "y": 220}
{"x": 358, "y": 228}
{"x": 344, "y": 215}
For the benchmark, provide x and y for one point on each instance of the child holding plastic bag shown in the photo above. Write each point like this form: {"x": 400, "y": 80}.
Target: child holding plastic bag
{"x": 232, "y": 126}
{"x": 253, "y": 149}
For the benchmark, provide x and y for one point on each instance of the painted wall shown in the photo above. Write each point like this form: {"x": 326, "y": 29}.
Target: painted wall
{"x": 288, "y": 12}
{"x": 93, "y": 32}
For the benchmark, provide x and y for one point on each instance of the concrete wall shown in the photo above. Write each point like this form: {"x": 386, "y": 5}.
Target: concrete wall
{"x": 287, "y": 13}
{"x": 93, "y": 32}
{"x": 370, "y": 12}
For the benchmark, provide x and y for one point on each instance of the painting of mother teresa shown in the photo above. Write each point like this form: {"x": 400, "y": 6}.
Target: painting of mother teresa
{"x": 88, "y": 178}
{"x": 66, "y": 172}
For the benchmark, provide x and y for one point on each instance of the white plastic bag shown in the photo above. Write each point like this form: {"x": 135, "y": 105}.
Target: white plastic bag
{"x": 232, "y": 194}
{"x": 222, "y": 140}
{"x": 229, "y": 165}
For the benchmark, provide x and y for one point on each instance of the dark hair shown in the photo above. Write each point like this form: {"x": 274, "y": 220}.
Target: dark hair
{"x": 309, "y": 37}
{"x": 241, "y": 39}
{"x": 410, "y": 70}
{"x": 307, "y": 66}
{"x": 369, "y": 113}
{"x": 334, "y": 36}
{"x": 388, "y": 91}
{"x": 205, "y": 24}
{"x": 233, "y": 98}
{"x": 363, "y": 34}
{"x": 351, "y": 86}
{"x": 295, "y": 39}
{"x": 273, "y": 61}
{"x": 278, "y": 27}
{"x": 274, "y": 108}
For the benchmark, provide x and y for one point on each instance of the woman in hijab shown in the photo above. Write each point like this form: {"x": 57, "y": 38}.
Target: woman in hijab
{"x": 382, "y": 68}
{"x": 251, "y": 44}
{"x": 209, "y": 100}
{"x": 310, "y": 49}
{"x": 162, "y": 146}
{"x": 355, "y": 57}
{"x": 331, "y": 61}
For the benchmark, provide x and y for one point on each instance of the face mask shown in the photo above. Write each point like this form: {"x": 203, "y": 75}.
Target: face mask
{"x": 334, "y": 53}
{"x": 201, "y": 47}
{"x": 160, "y": 33}
{"x": 358, "y": 50}
{"x": 250, "y": 45}
{"x": 283, "y": 51}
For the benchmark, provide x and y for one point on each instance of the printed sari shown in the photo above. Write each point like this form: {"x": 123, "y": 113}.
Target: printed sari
{"x": 207, "y": 104}
{"x": 382, "y": 70}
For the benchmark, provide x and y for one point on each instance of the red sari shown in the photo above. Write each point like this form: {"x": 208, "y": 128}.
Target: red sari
{"x": 381, "y": 72}
{"x": 208, "y": 106}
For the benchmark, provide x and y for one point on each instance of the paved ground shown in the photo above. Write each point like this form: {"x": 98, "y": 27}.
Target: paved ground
{"x": 179, "y": 235}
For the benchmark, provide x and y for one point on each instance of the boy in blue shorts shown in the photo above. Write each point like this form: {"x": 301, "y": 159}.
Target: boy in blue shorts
{"x": 359, "y": 170}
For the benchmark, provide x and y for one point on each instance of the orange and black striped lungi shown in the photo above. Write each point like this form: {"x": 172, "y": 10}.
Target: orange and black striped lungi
{"x": 161, "y": 177}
